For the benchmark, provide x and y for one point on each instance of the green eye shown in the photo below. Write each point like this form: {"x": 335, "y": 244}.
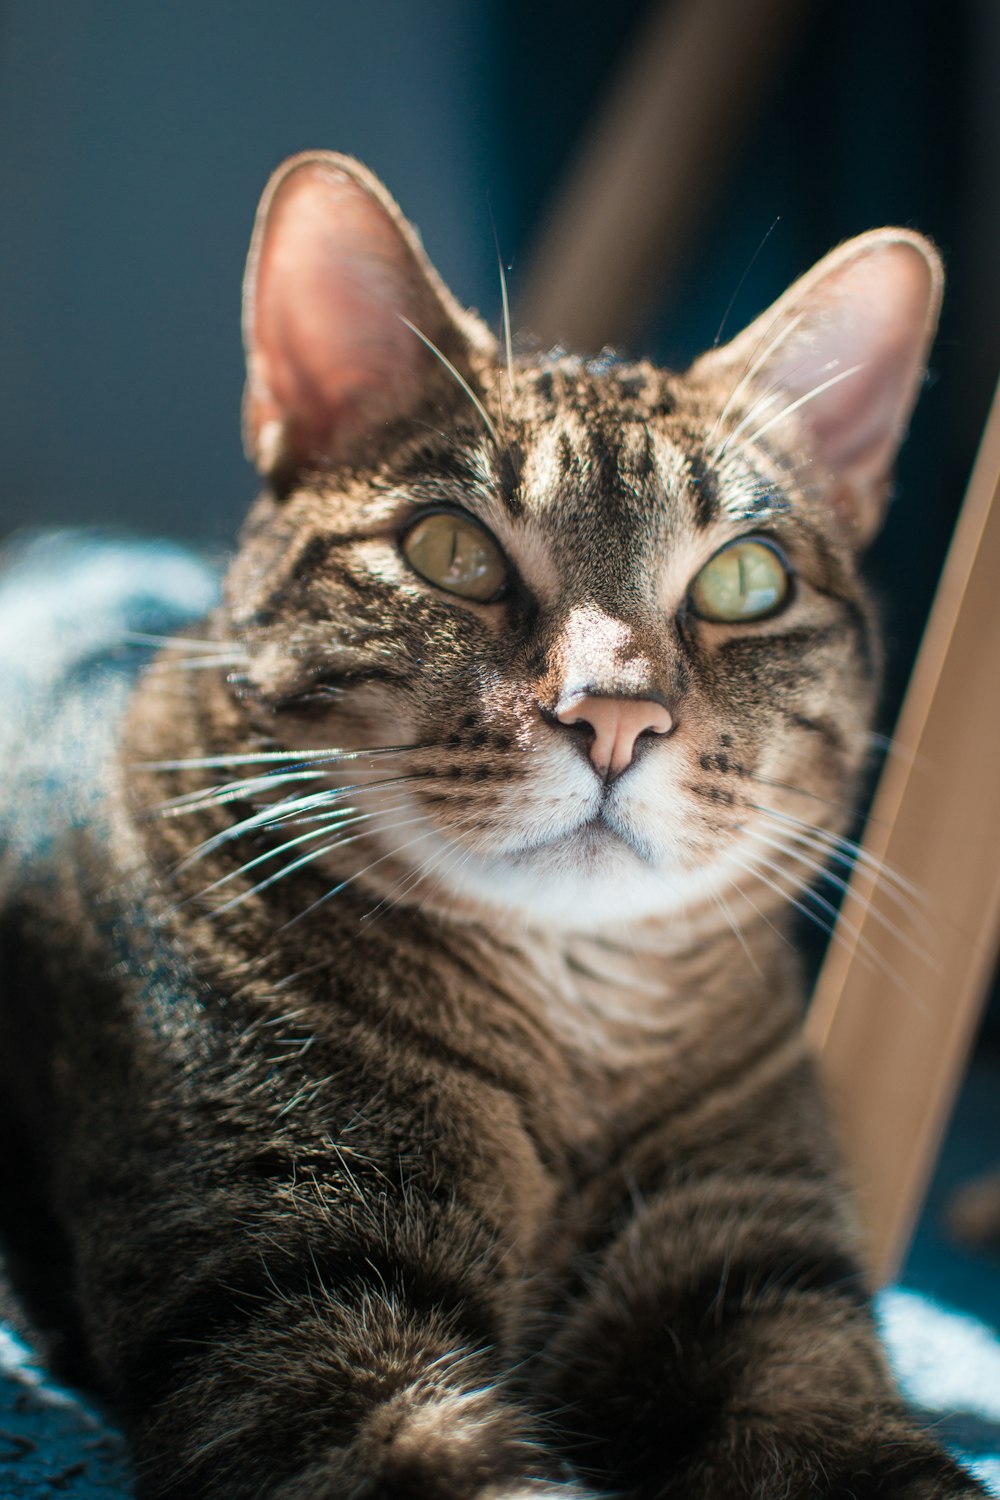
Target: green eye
{"x": 744, "y": 581}
{"x": 456, "y": 555}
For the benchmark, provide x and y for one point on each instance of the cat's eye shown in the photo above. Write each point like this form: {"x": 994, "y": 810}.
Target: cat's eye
{"x": 745, "y": 580}
{"x": 456, "y": 555}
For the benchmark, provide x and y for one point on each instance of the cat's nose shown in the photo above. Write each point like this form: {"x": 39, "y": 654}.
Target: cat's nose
{"x": 616, "y": 724}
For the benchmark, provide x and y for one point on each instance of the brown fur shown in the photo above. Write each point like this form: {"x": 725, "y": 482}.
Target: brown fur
{"x": 479, "y": 1156}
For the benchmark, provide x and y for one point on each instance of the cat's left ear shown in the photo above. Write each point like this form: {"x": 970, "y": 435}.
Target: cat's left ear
{"x": 337, "y": 285}
{"x": 838, "y": 361}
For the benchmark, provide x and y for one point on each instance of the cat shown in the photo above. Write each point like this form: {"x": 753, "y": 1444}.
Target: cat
{"x": 400, "y": 1031}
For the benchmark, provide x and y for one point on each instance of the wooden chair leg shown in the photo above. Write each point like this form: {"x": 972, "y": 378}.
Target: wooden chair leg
{"x": 897, "y": 1004}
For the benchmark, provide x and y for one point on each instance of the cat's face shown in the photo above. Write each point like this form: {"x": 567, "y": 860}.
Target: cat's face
{"x": 605, "y": 621}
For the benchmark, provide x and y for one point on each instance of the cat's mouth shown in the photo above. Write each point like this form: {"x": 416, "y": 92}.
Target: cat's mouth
{"x": 593, "y": 838}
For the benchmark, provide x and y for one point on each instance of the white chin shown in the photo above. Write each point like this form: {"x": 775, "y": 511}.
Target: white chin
{"x": 589, "y": 878}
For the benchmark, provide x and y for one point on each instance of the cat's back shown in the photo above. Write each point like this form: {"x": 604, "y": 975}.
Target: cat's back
{"x": 74, "y": 609}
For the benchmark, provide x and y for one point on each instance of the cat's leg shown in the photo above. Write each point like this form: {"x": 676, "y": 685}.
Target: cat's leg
{"x": 293, "y": 1296}
{"x": 281, "y": 1356}
{"x": 720, "y": 1343}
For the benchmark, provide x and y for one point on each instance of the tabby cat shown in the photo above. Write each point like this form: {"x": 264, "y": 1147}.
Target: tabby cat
{"x": 400, "y": 1030}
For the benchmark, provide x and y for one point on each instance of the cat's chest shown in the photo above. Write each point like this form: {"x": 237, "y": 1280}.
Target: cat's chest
{"x": 622, "y": 1022}
{"x": 641, "y": 1029}
{"x": 611, "y": 1010}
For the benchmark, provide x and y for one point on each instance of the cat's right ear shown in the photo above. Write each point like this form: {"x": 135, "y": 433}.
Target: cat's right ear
{"x": 834, "y": 367}
{"x": 334, "y": 277}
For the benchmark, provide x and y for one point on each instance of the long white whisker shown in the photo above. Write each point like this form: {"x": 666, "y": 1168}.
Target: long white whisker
{"x": 751, "y": 868}
{"x": 886, "y": 745}
{"x": 322, "y": 831}
{"x": 818, "y": 869}
{"x": 811, "y": 395}
{"x": 849, "y": 853}
{"x": 739, "y": 285}
{"x": 424, "y": 871}
{"x": 213, "y": 762}
{"x": 508, "y": 341}
{"x": 739, "y": 891}
{"x": 271, "y": 816}
{"x": 439, "y": 872}
{"x": 280, "y": 812}
{"x": 230, "y": 791}
{"x": 829, "y": 930}
{"x": 838, "y": 922}
{"x": 303, "y": 860}
{"x": 801, "y": 791}
{"x": 188, "y": 642}
{"x": 336, "y": 890}
{"x": 289, "y": 869}
{"x": 749, "y": 376}
{"x": 724, "y": 908}
{"x": 466, "y": 387}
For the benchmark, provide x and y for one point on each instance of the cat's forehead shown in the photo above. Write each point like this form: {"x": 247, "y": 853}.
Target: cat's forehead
{"x": 594, "y": 388}
{"x": 605, "y": 444}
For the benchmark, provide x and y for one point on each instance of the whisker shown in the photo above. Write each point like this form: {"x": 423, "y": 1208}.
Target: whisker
{"x": 287, "y": 808}
{"x": 230, "y": 791}
{"x": 801, "y": 791}
{"x": 751, "y": 868}
{"x": 755, "y": 364}
{"x": 847, "y": 852}
{"x": 314, "y": 833}
{"x": 724, "y": 908}
{"x": 188, "y": 642}
{"x": 886, "y": 745}
{"x": 505, "y": 302}
{"x": 810, "y": 395}
{"x": 298, "y": 864}
{"x": 739, "y": 891}
{"x": 336, "y": 890}
{"x": 424, "y": 871}
{"x": 739, "y": 285}
{"x": 838, "y": 923}
{"x": 213, "y": 762}
{"x": 829, "y": 930}
{"x": 443, "y": 870}
{"x": 463, "y": 383}
{"x": 842, "y": 885}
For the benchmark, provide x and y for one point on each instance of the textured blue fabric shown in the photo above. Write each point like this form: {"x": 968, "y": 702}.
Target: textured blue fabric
{"x": 71, "y": 609}
{"x": 948, "y": 1365}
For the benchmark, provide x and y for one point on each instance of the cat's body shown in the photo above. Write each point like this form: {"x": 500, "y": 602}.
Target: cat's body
{"x": 428, "y": 1116}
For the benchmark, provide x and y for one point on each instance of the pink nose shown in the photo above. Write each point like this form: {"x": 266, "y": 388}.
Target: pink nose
{"x": 617, "y": 724}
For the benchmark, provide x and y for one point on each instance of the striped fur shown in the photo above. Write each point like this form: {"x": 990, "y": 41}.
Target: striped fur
{"x": 425, "y": 1118}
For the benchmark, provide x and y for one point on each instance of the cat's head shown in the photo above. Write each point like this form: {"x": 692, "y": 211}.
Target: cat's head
{"x": 606, "y": 620}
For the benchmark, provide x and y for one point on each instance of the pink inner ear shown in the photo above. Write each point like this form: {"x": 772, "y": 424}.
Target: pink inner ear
{"x": 870, "y": 316}
{"x": 329, "y": 357}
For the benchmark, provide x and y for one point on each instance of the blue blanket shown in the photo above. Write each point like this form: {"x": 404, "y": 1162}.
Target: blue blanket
{"x": 51, "y": 1441}
{"x": 79, "y": 606}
